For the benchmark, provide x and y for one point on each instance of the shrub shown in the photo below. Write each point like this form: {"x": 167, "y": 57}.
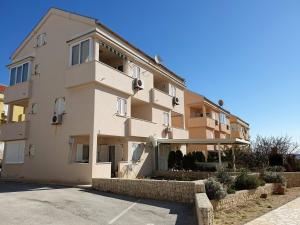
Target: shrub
{"x": 188, "y": 162}
{"x": 206, "y": 168}
{"x": 273, "y": 177}
{"x": 276, "y": 169}
{"x": 171, "y": 160}
{"x": 199, "y": 157}
{"x": 214, "y": 189}
{"x": 178, "y": 159}
{"x": 276, "y": 159}
{"x": 244, "y": 181}
{"x": 230, "y": 190}
{"x": 262, "y": 182}
{"x": 224, "y": 177}
{"x": 212, "y": 157}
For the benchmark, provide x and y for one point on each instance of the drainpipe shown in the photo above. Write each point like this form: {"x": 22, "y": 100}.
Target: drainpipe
{"x": 219, "y": 151}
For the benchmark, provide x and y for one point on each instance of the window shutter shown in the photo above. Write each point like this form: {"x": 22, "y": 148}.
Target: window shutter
{"x": 79, "y": 152}
{"x": 125, "y": 107}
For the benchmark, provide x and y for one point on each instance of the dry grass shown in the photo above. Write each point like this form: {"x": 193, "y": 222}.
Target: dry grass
{"x": 254, "y": 208}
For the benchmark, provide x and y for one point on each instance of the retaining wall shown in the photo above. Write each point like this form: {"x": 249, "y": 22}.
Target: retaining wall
{"x": 178, "y": 191}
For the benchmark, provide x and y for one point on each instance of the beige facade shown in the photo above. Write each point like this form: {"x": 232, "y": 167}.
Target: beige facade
{"x": 239, "y": 128}
{"x": 90, "y": 101}
{"x": 205, "y": 120}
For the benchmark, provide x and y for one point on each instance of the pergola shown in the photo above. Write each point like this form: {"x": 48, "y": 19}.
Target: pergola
{"x": 218, "y": 142}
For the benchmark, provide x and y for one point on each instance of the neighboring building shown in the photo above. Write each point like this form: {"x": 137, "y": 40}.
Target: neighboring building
{"x": 90, "y": 101}
{"x": 205, "y": 120}
{"x": 239, "y": 128}
{"x": 3, "y": 115}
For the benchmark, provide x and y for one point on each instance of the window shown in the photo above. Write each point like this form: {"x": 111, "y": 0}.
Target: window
{"x": 14, "y": 152}
{"x": 136, "y": 72}
{"x": 33, "y": 108}
{"x": 223, "y": 119}
{"x": 166, "y": 119}
{"x": 41, "y": 40}
{"x": 81, "y": 52}
{"x": 5, "y": 110}
{"x": 59, "y": 107}
{"x": 122, "y": 106}
{"x": 19, "y": 74}
{"x": 172, "y": 90}
{"x": 82, "y": 153}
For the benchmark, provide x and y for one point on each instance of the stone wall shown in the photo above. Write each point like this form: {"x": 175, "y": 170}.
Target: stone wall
{"x": 178, "y": 191}
{"x": 204, "y": 209}
{"x": 241, "y": 197}
{"x": 292, "y": 178}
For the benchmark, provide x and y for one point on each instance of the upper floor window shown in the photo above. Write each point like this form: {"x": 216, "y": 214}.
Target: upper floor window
{"x": 81, "y": 52}
{"x": 172, "y": 90}
{"x": 59, "y": 107}
{"x": 19, "y": 74}
{"x": 136, "y": 72}
{"x": 121, "y": 107}
{"x": 166, "y": 118}
{"x": 41, "y": 40}
{"x": 223, "y": 118}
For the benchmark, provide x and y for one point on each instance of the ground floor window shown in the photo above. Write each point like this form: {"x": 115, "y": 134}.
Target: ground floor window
{"x": 14, "y": 152}
{"x": 82, "y": 153}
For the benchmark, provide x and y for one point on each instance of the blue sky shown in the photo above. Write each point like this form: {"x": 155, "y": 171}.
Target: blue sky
{"x": 244, "y": 52}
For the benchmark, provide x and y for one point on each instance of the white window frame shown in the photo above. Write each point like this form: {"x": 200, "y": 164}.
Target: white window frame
{"x": 16, "y": 66}
{"x": 166, "y": 116}
{"x": 21, "y": 152}
{"x": 79, "y": 158}
{"x": 136, "y": 72}
{"x": 41, "y": 40}
{"x": 119, "y": 106}
{"x": 79, "y": 54}
{"x": 60, "y": 105}
{"x": 172, "y": 90}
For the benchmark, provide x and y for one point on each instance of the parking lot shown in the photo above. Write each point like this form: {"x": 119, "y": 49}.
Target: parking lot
{"x": 32, "y": 204}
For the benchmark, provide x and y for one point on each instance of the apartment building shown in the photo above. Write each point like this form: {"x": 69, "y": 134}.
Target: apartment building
{"x": 92, "y": 104}
{"x": 239, "y": 128}
{"x": 205, "y": 120}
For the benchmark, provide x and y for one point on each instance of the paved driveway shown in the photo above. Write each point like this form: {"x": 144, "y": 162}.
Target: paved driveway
{"x": 288, "y": 214}
{"x": 47, "y": 204}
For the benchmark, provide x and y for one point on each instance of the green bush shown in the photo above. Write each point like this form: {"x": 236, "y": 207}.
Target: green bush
{"x": 212, "y": 157}
{"x": 206, "y": 168}
{"x": 188, "y": 162}
{"x": 214, "y": 189}
{"x": 276, "y": 169}
{"x": 199, "y": 157}
{"x": 224, "y": 177}
{"x": 244, "y": 181}
{"x": 273, "y": 177}
{"x": 230, "y": 190}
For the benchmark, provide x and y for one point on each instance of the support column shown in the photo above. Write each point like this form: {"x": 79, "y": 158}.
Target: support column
{"x": 93, "y": 153}
{"x": 219, "y": 154}
{"x": 233, "y": 158}
{"x": 10, "y": 113}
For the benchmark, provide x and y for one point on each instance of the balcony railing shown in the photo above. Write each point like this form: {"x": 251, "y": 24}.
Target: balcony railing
{"x": 18, "y": 92}
{"x": 98, "y": 72}
{"x": 202, "y": 122}
{"x": 161, "y": 98}
{"x": 14, "y": 131}
{"x": 142, "y": 128}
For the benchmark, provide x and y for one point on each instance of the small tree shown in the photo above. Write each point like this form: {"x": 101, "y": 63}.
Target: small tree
{"x": 178, "y": 159}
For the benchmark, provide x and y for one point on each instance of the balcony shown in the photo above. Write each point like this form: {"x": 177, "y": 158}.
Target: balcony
{"x": 14, "y": 131}
{"x": 18, "y": 92}
{"x": 161, "y": 98}
{"x": 202, "y": 122}
{"x": 98, "y": 72}
{"x": 142, "y": 128}
{"x": 179, "y": 133}
{"x": 225, "y": 128}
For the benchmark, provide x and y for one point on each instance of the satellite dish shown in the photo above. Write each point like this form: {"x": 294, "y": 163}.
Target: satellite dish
{"x": 221, "y": 102}
{"x": 158, "y": 59}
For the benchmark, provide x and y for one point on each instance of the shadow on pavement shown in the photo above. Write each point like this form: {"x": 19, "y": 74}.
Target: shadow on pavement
{"x": 186, "y": 214}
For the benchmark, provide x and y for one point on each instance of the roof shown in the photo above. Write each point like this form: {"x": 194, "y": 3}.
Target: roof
{"x": 108, "y": 30}
{"x": 204, "y": 141}
{"x": 2, "y": 88}
{"x": 240, "y": 119}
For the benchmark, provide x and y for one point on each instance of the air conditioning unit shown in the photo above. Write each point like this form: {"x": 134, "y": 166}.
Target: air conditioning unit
{"x": 138, "y": 84}
{"x": 216, "y": 122}
{"x": 57, "y": 119}
{"x": 175, "y": 101}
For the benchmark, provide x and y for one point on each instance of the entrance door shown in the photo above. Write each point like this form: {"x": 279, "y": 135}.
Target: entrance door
{"x": 112, "y": 158}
